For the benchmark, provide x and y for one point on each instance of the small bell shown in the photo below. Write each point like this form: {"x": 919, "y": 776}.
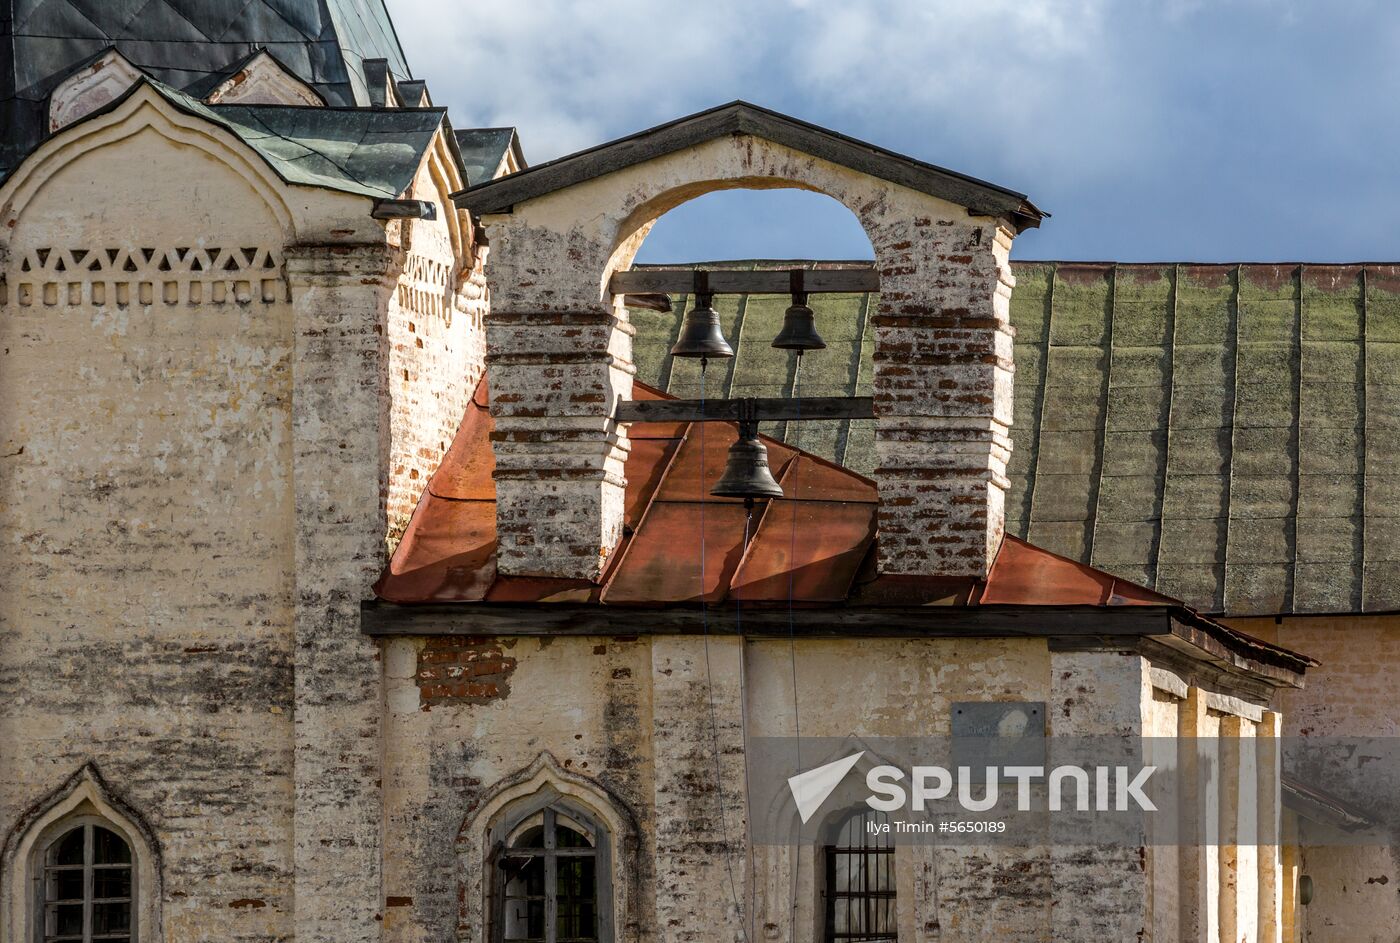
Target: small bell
{"x": 746, "y": 472}
{"x": 799, "y": 331}
{"x": 700, "y": 333}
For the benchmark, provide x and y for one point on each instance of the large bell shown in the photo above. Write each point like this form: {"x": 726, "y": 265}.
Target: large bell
{"x": 746, "y": 472}
{"x": 700, "y": 333}
{"x": 799, "y": 328}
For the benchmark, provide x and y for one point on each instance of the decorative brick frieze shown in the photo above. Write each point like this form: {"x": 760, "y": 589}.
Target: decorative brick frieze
{"x": 437, "y": 345}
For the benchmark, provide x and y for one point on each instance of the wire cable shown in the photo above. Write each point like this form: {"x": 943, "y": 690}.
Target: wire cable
{"x": 796, "y": 867}
{"x": 752, "y": 882}
{"x": 709, "y": 678}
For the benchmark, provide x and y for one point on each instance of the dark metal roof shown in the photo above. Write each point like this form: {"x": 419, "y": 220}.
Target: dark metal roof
{"x": 202, "y": 88}
{"x": 483, "y": 149}
{"x": 182, "y": 43}
{"x": 373, "y": 152}
{"x": 740, "y": 117}
{"x": 1227, "y": 434}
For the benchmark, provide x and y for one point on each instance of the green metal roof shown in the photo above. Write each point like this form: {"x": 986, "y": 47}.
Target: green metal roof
{"x": 1227, "y": 434}
{"x": 374, "y": 152}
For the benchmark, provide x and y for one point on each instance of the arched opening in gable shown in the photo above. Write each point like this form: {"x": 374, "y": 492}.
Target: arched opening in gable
{"x": 763, "y": 230}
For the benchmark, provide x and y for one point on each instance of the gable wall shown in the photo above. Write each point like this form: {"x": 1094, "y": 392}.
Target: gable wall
{"x": 146, "y": 504}
{"x": 436, "y": 326}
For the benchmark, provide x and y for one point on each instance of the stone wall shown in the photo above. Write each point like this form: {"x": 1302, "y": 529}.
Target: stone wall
{"x": 146, "y": 509}
{"x": 656, "y": 725}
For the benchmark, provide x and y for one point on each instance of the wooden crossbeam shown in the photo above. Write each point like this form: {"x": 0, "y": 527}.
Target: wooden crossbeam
{"x": 1094, "y": 626}
{"x": 765, "y": 409}
{"x": 728, "y": 282}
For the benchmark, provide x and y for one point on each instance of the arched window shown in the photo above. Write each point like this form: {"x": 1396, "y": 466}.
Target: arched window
{"x": 551, "y": 878}
{"x": 860, "y": 888}
{"x": 86, "y": 885}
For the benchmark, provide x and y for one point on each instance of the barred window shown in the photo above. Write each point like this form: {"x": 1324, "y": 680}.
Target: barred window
{"x": 547, "y": 880}
{"x": 860, "y": 890}
{"x": 87, "y": 887}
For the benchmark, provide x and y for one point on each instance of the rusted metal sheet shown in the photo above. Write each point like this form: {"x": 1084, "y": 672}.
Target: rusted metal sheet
{"x": 808, "y": 478}
{"x": 1027, "y": 575}
{"x": 646, "y": 465}
{"x": 809, "y": 549}
{"x": 448, "y": 552}
{"x": 700, "y": 463}
{"x": 663, "y": 561}
{"x": 466, "y": 469}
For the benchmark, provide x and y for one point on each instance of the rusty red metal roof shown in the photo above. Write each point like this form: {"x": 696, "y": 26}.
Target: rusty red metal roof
{"x": 814, "y": 547}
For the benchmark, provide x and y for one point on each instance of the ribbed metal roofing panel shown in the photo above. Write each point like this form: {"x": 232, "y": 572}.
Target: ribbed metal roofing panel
{"x": 813, "y": 547}
{"x": 1228, "y": 434}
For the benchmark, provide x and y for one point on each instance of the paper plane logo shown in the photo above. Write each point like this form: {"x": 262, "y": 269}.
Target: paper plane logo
{"x": 811, "y": 788}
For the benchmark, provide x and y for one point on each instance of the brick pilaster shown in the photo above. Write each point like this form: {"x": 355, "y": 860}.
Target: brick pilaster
{"x": 943, "y": 370}
{"x": 340, "y": 429}
{"x": 555, "y": 381}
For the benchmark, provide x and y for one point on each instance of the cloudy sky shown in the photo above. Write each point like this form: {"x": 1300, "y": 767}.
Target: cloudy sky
{"x": 1213, "y": 130}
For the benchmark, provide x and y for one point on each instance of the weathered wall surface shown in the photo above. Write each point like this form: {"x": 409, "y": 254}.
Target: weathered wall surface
{"x": 656, "y": 723}
{"x": 465, "y": 714}
{"x": 146, "y": 514}
{"x": 1100, "y": 893}
{"x": 437, "y": 343}
{"x": 907, "y": 689}
{"x": 634, "y": 715}
{"x": 201, "y": 447}
{"x": 1352, "y": 694}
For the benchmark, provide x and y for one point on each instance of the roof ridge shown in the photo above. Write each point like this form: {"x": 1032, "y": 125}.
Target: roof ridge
{"x": 740, "y": 117}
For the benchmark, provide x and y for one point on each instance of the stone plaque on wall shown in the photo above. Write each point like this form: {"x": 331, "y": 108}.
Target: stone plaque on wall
{"x": 998, "y": 733}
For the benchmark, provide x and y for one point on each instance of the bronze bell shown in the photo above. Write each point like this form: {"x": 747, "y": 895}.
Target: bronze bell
{"x": 746, "y": 472}
{"x": 799, "y": 331}
{"x": 700, "y": 333}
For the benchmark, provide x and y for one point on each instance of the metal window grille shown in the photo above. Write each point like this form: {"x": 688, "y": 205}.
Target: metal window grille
{"x": 547, "y": 885}
{"x": 860, "y": 888}
{"x": 87, "y": 888}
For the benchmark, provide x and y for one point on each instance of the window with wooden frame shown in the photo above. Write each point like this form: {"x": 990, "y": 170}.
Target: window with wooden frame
{"x": 86, "y": 886}
{"x": 551, "y": 879}
{"x": 860, "y": 881}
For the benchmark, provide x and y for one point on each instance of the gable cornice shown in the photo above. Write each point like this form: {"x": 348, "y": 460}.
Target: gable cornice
{"x": 742, "y": 118}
